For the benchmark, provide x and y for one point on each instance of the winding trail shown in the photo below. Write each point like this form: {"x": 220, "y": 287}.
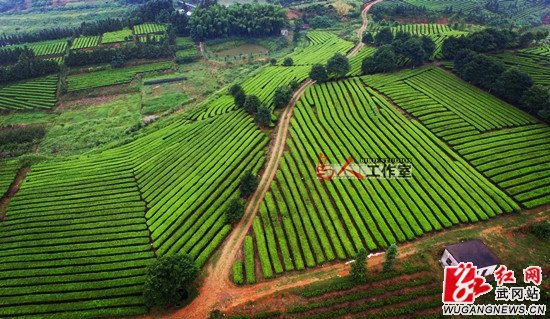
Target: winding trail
{"x": 217, "y": 291}
{"x": 360, "y": 31}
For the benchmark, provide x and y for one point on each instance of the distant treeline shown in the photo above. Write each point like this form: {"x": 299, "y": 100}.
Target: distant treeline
{"x": 489, "y": 40}
{"x": 130, "y": 51}
{"x": 510, "y": 84}
{"x": 28, "y": 66}
{"x": 248, "y": 20}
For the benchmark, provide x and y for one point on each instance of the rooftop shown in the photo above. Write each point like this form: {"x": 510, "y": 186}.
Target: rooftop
{"x": 473, "y": 251}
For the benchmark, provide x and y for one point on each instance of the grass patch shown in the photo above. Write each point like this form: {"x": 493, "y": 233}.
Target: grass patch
{"x": 83, "y": 129}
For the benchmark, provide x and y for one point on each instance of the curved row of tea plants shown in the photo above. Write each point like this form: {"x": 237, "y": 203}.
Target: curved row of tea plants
{"x": 85, "y": 42}
{"x": 84, "y": 81}
{"x": 74, "y": 243}
{"x": 323, "y": 45}
{"x": 8, "y": 170}
{"x": 39, "y": 93}
{"x": 147, "y": 28}
{"x": 311, "y": 221}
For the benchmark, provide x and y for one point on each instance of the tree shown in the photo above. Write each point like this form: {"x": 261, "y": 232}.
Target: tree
{"x": 428, "y": 45}
{"x": 248, "y": 184}
{"x": 282, "y": 96}
{"x": 481, "y": 71}
{"x": 367, "y": 38}
{"x": 240, "y": 99}
{"x": 536, "y": 99}
{"x": 384, "y": 36}
{"x": 342, "y": 7}
{"x": 452, "y": 45}
{"x": 383, "y": 60}
{"x": 403, "y": 36}
{"x": 414, "y": 51}
{"x": 234, "y": 89}
{"x": 252, "y": 103}
{"x": 234, "y": 211}
{"x": 294, "y": 85}
{"x": 273, "y": 61}
{"x": 288, "y": 61}
{"x": 338, "y": 65}
{"x": 391, "y": 254}
{"x": 358, "y": 270}
{"x": 318, "y": 73}
{"x": 526, "y": 39}
{"x": 263, "y": 116}
{"x": 512, "y": 85}
{"x": 169, "y": 281}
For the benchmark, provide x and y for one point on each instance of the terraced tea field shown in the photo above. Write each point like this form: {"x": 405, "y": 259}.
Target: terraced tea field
{"x": 116, "y": 36}
{"x": 85, "y": 81}
{"x": 45, "y": 48}
{"x": 356, "y": 61}
{"x": 411, "y": 293}
{"x": 534, "y": 61}
{"x": 437, "y": 32}
{"x": 503, "y": 143}
{"x": 83, "y": 260}
{"x": 37, "y": 93}
{"x": 261, "y": 84}
{"x": 74, "y": 243}
{"x": 304, "y": 222}
{"x": 322, "y": 46}
{"x": 84, "y": 42}
{"x": 147, "y": 28}
{"x": 8, "y": 169}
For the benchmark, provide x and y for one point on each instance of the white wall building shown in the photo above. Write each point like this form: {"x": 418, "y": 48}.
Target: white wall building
{"x": 473, "y": 251}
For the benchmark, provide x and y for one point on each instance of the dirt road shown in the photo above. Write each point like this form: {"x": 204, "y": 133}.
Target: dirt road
{"x": 360, "y": 31}
{"x": 217, "y": 292}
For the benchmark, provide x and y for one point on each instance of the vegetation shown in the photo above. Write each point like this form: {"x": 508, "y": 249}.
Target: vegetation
{"x": 391, "y": 254}
{"x": 19, "y": 140}
{"x": 92, "y": 80}
{"x": 248, "y": 248}
{"x": 39, "y": 93}
{"x": 116, "y": 36}
{"x": 251, "y": 20}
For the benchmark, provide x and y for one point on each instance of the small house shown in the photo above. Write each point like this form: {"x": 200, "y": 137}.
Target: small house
{"x": 474, "y": 251}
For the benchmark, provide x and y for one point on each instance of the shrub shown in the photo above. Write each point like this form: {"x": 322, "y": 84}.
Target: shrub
{"x": 249, "y": 260}
{"x": 248, "y": 184}
{"x": 391, "y": 254}
{"x": 282, "y": 96}
{"x": 252, "y": 103}
{"x": 318, "y": 73}
{"x": 288, "y": 61}
{"x": 294, "y": 85}
{"x": 358, "y": 271}
{"x": 238, "y": 276}
{"x": 338, "y": 65}
{"x": 541, "y": 230}
{"x": 263, "y": 116}
{"x": 234, "y": 211}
